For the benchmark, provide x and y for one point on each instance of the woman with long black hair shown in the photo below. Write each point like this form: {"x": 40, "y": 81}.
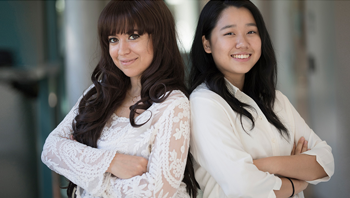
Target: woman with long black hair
{"x": 128, "y": 135}
{"x": 247, "y": 139}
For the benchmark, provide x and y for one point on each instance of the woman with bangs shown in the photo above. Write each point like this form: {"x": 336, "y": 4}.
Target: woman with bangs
{"x": 247, "y": 140}
{"x": 128, "y": 134}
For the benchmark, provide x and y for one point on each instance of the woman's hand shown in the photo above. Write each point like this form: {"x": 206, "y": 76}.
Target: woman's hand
{"x": 127, "y": 166}
{"x": 301, "y": 147}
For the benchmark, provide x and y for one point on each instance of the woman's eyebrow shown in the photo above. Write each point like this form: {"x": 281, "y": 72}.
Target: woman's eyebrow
{"x": 250, "y": 24}
{"x": 228, "y": 26}
{"x": 233, "y": 25}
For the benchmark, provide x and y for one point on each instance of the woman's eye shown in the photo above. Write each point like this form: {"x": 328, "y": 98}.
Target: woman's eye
{"x": 252, "y": 32}
{"x": 112, "y": 40}
{"x": 134, "y": 36}
{"x": 230, "y": 33}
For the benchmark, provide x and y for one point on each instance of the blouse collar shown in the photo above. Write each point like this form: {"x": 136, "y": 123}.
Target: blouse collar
{"x": 231, "y": 88}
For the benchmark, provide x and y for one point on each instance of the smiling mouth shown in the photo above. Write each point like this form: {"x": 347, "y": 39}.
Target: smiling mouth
{"x": 241, "y": 56}
{"x": 126, "y": 62}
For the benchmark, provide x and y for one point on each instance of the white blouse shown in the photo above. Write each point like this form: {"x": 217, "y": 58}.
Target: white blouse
{"x": 163, "y": 140}
{"x": 224, "y": 152}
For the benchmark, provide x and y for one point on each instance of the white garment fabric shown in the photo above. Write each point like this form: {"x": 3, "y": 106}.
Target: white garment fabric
{"x": 224, "y": 152}
{"x": 163, "y": 140}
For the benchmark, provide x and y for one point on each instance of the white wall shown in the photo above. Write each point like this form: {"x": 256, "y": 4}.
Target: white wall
{"x": 326, "y": 103}
{"x": 320, "y": 21}
{"x": 341, "y": 40}
{"x": 81, "y": 45}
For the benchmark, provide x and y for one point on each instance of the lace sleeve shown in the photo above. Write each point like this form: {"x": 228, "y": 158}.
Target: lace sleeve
{"x": 167, "y": 160}
{"x": 81, "y": 164}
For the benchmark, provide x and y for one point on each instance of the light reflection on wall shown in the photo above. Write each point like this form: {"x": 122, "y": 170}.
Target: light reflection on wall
{"x": 186, "y": 15}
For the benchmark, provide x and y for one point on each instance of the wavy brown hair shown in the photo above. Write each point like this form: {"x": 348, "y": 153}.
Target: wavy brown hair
{"x": 165, "y": 73}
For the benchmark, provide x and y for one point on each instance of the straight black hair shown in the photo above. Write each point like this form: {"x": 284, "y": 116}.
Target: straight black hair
{"x": 260, "y": 81}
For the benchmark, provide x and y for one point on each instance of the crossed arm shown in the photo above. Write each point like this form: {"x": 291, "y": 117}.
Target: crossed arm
{"x": 89, "y": 168}
{"x": 126, "y": 166}
{"x": 299, "y": 167}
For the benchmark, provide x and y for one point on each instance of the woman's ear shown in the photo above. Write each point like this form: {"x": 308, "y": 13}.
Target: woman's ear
{"x": 206, "y": 45}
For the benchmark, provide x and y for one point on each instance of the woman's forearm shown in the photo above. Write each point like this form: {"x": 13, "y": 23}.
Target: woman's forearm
{"x": 286, "y": 189}
{"x": 302, "y": 167}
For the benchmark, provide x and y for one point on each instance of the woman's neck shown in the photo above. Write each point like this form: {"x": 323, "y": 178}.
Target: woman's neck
{"x": 237, "y": 81}
{"x": 135, "y": 89}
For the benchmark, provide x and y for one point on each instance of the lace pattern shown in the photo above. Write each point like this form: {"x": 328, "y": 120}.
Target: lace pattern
{"x": 163, "y": 140}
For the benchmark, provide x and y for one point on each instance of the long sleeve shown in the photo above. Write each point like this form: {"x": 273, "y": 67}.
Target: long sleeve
{"x": 319, "y": 148}
{"x": 167, "y": 159}
{"x": 81, "y": 164}
{"x": 217, "y": 148}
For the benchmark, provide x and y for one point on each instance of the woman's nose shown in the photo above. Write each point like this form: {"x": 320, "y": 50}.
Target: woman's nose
{"x": 124, "y": 48}
{"x": 242, "y": 42}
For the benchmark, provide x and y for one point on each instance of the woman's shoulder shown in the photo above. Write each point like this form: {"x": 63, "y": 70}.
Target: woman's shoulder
{"x": 175, "y": 96}
{"x": 281, "y": 97}
{"x": 203, "y": 92}
{"x": 88, "y": 89}
{"x": 175, "y": 99}
{"x": 281, "y": 100}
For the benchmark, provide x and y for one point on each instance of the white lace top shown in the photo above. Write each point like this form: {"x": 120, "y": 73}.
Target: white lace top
{"x": 163, "y": 140}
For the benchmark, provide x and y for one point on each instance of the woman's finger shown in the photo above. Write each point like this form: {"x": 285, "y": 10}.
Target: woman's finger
{"x": 293, "y": 150}
{"x": 305, "y": 146}
{"x": 299, "y": 147}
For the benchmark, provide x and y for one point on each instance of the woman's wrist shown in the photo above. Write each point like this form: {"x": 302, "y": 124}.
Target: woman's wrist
{"x": 109, "y": 169}
{"x": 299, "y": 185}
{"x": 286, "y": 189}
{"x": 293, "y": 189}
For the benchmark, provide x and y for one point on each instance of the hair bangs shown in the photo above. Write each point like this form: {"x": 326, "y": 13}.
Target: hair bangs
{"x": 126, "y": 18}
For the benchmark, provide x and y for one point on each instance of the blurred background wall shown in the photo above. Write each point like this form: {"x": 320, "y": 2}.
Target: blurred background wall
{"x": 49, "y": 48}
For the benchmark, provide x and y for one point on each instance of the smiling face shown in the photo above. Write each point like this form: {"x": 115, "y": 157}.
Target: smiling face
{"x": 131, "y": 53}
{"x": 234, "y": 43}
